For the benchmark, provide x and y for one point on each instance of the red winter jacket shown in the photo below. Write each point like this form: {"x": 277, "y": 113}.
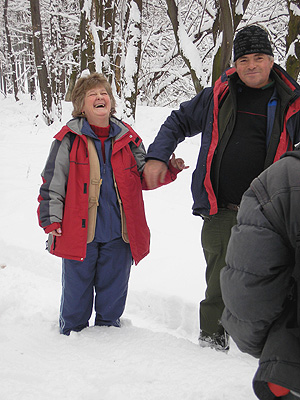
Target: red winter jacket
{"x": 64, "y": 196}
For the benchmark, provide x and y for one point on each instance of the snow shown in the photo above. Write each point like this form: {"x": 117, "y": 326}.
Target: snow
{"x": 239, "y": 8}
{"x": 189, "y": 49}
{"x": 154, "y": 355}
{"x": 295, "y": 10}
{"x": 99, "y": 59}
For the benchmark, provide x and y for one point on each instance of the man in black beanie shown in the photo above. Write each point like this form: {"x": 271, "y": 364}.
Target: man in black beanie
{"x": 248, "y": 119}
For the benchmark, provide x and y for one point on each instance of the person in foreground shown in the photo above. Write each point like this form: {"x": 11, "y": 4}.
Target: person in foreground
{"x": 247, "y": 121}
{"x": 261, "y": 280}
{"x": 91, "y": 206}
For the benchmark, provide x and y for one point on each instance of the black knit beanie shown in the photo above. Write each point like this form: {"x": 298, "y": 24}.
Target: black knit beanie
{"x": 249, "y": 40}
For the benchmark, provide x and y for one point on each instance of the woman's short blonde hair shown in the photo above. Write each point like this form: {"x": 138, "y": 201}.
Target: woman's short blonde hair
{"x": 83, "y": 85}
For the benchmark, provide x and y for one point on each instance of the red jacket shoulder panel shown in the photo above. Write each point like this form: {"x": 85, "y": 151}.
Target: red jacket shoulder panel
{"x": 61, "y": 134}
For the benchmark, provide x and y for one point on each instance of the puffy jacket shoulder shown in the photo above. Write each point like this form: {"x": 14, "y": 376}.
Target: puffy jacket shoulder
{"x": 259, "y": 261}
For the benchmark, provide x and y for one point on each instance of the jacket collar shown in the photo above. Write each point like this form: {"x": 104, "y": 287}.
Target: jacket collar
{"x": 280, "y": 76}
{"x": 80, "y": 126}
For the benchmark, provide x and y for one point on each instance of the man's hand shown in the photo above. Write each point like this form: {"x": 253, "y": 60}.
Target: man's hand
{"x": 178, "y": 163}
{"x": 154, "y": 173}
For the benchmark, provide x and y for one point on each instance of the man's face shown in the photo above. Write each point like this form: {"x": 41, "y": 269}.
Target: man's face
{"x": 254, "y": 69}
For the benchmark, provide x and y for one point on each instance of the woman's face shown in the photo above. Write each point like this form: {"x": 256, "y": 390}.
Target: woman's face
{"x": 97, "y": 106}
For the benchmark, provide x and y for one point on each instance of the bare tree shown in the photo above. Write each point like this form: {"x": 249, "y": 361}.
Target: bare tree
{"x": 83, "y": 50}
{"x": 94, "y": 43}
{"x": 110, "y": 42}
{"x": 86, "y": 49}
{"x": 131, "y": 56}
{"x": 293, "y": 39}
{"x": 75, "y": 68}
{"x": 40, "y": 62}
{"x": 104, "y": 33}
{"x": 57, "y": 49}
{"x": 10, "y": 51}
{"x": 229, "y": 14}
{"x": 188, "y": 58}
{"x": 30, "y": 66}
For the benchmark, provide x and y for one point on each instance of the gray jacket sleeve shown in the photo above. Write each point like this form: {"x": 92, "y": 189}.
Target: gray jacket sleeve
{"x": 139, "y": 154}
{"x": 55, "y": 178}
{"x": 256, "y": 278}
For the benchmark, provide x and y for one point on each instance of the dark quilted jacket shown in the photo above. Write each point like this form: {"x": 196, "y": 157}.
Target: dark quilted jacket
{"x": 258, "y": 288}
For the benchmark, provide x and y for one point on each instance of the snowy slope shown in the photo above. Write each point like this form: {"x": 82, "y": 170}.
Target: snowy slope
{"x": 155, "y": 354}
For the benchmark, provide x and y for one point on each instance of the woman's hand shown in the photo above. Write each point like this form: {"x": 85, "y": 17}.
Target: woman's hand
{"x": 56, "y": 232}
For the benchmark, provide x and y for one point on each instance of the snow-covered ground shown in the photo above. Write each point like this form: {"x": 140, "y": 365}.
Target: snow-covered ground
{"x": 155, "y": 354}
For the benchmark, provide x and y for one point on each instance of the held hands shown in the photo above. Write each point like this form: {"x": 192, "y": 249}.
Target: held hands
{"x": 155, "y": 171}
{"x": 56, "y": 232}
{"x": 178, "y": 163}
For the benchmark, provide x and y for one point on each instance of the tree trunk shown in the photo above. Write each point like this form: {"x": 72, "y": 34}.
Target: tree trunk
{"x": 174, "y": 18}
{"x": 132, "y": 57}
{"x": 40, "y": 62}
{"x": 31, "y": 69}
{"x": 225, "y": 25}
{"x": 56, "y": 63}
{"x": 10, "y": 52}
{"x": 83, "y": 55}
{"x": 105, "y": 15}
{"x": 75, "y": 70}
{"x": 2, "y": 81}
{"x": 86, "y": 52}
{"x": 293, "y": 39}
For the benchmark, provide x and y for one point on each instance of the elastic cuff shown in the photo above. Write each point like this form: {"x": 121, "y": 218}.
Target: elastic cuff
{"x": 52, "y": 227}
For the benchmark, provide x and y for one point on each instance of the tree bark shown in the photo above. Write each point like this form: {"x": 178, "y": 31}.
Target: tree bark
{"x": 105, "y": 14}
{"x": 86, "y": 52}
{"x": 40, "y": 62}
{"x": 225, "y": 24}
{"x": 293, "y": 40}
{"x": 31, "y": 69}
{"x": 132, "y": 56}
{"x": 10, "y": 52}
{"x": 57, "y": 70}
{"x": 174, "y": 18}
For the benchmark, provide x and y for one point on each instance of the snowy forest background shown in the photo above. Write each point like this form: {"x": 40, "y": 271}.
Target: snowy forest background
{"x": 154, "y": 52}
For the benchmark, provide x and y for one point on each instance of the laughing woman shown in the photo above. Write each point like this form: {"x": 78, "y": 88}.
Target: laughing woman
{"x": 91, "y": 206}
